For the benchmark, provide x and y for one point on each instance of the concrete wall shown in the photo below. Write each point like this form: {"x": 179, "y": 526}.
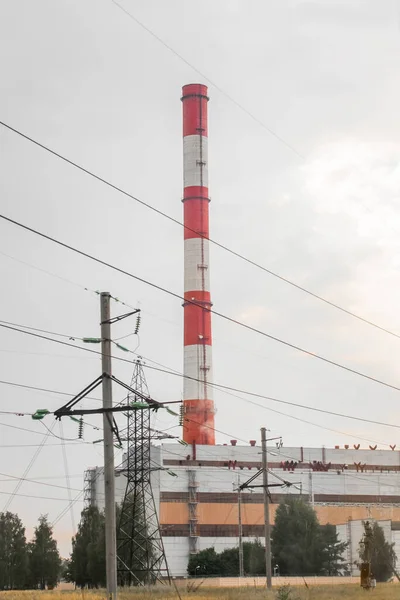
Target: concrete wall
{"x": 350, "y": 483}
{"x": 249, "y": 453}
{"x": 396, "y": 541}
{"x": 352, "y": 532}
{"x": 239, "y": 582}
{"x": 120, "y": 486}
{"x": 346, "y": 482}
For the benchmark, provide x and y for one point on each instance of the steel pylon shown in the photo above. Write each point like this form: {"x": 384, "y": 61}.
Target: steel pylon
{"x": 140, "y": 550}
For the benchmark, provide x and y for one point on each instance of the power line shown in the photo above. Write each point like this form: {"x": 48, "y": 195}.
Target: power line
{"x": 26, "y": 472}
{"x": 218, "y": 314}
{"x": 212, "y": 241}
{"x": 36, "y": 445}
{"x": 217, "y": 87}
{"x": 77, "y": 498}
{"x": 22, "y": 262}
{"x": 40, "y": 389}
{"x": 57, "y": 436}
{"x": 71, "y": 395}
{"x": 215, "y": 386}
{"x": 63, "y": 335}
{"x": 43, "y": 477}
{"x": 100, "y": 471}
{"x": 86, "y": 289}
{"x": 37, "y": 433}
{"x": 12, "y": 494}
{"x": 64, "y": 279}
{"x": 67, "y": 479}
{"x": 14, "y": 477}
{"x": 243, "y": 399}
{"x": 48, "y": 355}
{"x": 218, "y": 385}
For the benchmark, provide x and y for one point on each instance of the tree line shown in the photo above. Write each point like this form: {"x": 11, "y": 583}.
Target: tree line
{"x": 299, "y": 546}
{"x": 37, "y": 564}
{"x": 87, "y": 564}
{"x": 27, "y": 565}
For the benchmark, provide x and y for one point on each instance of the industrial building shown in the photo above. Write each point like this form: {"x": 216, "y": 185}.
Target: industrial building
{"x": 195, "y": 485}
{"x": 195, "y": 491}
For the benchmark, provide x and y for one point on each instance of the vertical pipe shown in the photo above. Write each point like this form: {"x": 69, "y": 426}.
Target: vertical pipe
{"x": 198, "y": 403}
{"x": 267, "y": 526}
{"x": 109, "y": 477}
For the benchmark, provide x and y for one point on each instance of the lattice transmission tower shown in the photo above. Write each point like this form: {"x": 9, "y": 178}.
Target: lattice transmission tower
{"x": 140, "y": 549}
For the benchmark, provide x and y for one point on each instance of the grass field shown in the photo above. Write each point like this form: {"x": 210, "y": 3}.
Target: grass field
{"x": 337, "y": 592}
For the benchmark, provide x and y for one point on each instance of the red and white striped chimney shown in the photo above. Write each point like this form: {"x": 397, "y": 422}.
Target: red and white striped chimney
{"x": 198, "y": 401}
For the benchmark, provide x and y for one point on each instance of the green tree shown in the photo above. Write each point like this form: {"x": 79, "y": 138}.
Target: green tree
{"x": 131, "y": 525}
{"x": 375, "y": 549}
{"x": 204, "y": 563}
{"x": 44, "y": 558}
{"x": 229, "y": 562}
{"x": 332, "y": 559}
{"x": 296, "y": 539}
{"x": 87, "y": 564}
{"x": 254, "y": 558}
{"x": 13, "y": 552}
{"x": 226, "y": 563}
{"x": 96, "y": 553}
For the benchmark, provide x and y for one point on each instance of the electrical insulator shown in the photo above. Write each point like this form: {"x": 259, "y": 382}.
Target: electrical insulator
{"x": 138, "y": 319}
{"x": 80, "y": 430}
{"x": 181, "y": 413}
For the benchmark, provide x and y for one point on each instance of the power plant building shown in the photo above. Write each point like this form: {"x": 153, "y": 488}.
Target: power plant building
{"x": 196, "y": 497}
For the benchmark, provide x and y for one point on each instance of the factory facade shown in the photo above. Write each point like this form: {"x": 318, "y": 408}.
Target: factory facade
{"x": 195, "y": 490}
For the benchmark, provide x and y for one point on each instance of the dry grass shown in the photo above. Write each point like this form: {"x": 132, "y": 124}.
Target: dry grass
{"x": 337, "y": 592}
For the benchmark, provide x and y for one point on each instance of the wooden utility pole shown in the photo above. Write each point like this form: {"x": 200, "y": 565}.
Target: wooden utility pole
{"x": 241, "y": 562}
{"x": 109, "y": 474}
{"x": 267, "y": 526}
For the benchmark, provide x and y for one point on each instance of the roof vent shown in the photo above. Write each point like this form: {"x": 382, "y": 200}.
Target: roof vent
{"x": 252, "y": 442}
{"x": 233, "y": 442}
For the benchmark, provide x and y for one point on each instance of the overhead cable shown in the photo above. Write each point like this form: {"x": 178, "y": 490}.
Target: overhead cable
{"x": 212, "y": 241}
{"x": 217, "y": 87}
{"x": 218, "y": 314}
{"x": 221, "y": 386}
{"x": 26, "y": 472}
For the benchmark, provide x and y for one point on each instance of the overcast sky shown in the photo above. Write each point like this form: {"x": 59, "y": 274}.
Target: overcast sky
{"x": 319, "y": 209}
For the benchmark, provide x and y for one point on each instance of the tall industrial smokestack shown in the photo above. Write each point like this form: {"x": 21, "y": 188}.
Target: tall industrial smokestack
{"x": 198, "y": 405}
